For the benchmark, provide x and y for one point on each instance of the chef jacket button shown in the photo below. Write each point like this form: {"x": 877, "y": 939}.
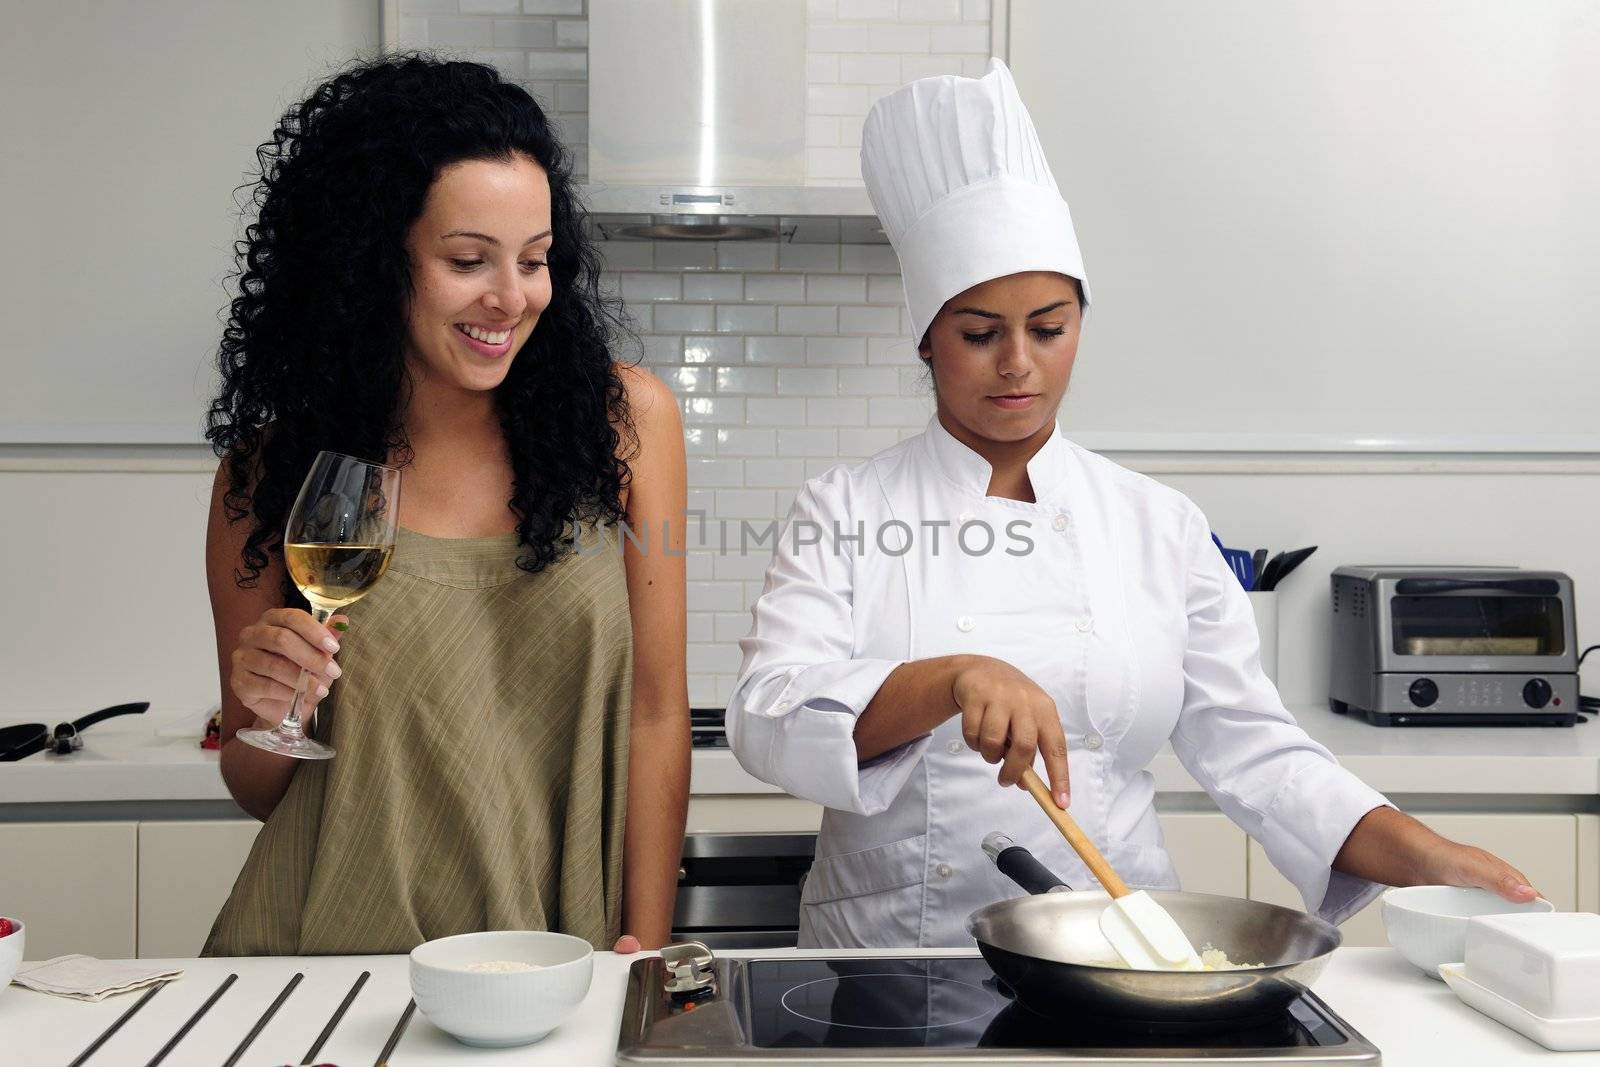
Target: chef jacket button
{"x": 1093, "y": 741}
{"x": 965, "y": 624}
{"x": 1060, "y": 522}
{"x": 955, "y": 748}
{"x": 943, "y": 870}
{"x": 1086, "y": 624}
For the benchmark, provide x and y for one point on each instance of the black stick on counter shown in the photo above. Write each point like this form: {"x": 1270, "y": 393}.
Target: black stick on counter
{"x": 394, "y": 1038}
{"x": 261, "y": 1023}
{"x": 327, "y": 1031}
{"x": 199, "y": 1013}
{"x": 114, "y": 1027}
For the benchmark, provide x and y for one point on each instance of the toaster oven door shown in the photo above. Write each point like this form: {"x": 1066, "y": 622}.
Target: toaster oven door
{"x": 1440, "y": 624}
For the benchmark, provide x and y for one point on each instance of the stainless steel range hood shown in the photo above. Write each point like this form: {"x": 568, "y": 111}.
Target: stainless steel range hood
{"x": 697, "y": 126}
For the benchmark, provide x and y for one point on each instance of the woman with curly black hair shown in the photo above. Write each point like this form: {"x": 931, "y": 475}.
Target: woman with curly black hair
{"x": 417, "y": 289}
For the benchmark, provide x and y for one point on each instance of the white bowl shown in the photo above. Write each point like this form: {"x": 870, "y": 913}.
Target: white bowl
{"x": 1548, "y": 965}
{"x": 1427, "y": 924}
{"x": 11, "y": 953}
{"x": 500, "y": 1009}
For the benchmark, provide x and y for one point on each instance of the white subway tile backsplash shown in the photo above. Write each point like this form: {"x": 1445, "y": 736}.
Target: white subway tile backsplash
{"x": 813, "y": 442}
{"x": 897, "y": 411}
{"x": 461, "y": 32}
{"x": 746, "y": 441}
{"x": 552, "y": 7}
{"x": 820, "y": 257}
{"x": 869, "y": 69}
{"x": 718, "y": 596}
{"x": 930, "y": 10}
{"x": 860, "y": 443}
{"x": 930, "y": 66}
{"x": 851, "y": 100}
{"x": 775, "y": 349}
{"x": 868, "y": 9}
{"x": 808, "y": 319}
{"x": 703, "y": 687}
{"x": 429, "y": 7}
{"x": 775, "y": 288}
{"x": 779, "y": 411}
{"x": 572, "y": 96}
{"x": 834, "y": 164}
{"x": 524, "y": 33}
{"x": 684, "y": 318}
{"x": 966, "y": 37}
{"x": 975, "y": 10}
{"x": 836, "y": 288}
{"x": 879, "y": 320}
{"x": 745, "y": 380}
{"x": 686, "y": 255}
{"x": 821, "y": 68}
{"x": 628, "y": 255}
{"x": 413, "y": 32}
{"x": 661, "y": 348}
{"x": 687, "y": 380}
{"x": 741, "y": 566}
{"x": 572, "y": 33}
{"x": 558, "y": 65}
{"x": 885, "y": 289}
{"x": 892, "y": 350}
{"x": 713, "y": 658}
{"x": 869, "y": 381}
{"x": 744, "y": 504}
{"x": 716, "y": 473}
{"x": 749, "y": 255}
{"x": 718, "y": 411}
{"x": 510, "y": 62}
{"x": 490, "y": 7}
{"x": 899, "y": 37}
{"x": 702, "y": 624}
{"x": 712, "y": 349}
{"x": 866, "y": 259}
{"x": 774, "y": 473}
{"x": 640, "y": 286}
{"x": 713, "y": 287}
{"x": 914, "y": 381}
{"x": 821, "y": 9}
{"x": 745, "y": 318}
{"x": 699, "y": 441}
{"x": 808, "y": 381}
{"x": 832, "y": 37}
{"x": 830, "y": 350}
{"x": 837, "y": 411}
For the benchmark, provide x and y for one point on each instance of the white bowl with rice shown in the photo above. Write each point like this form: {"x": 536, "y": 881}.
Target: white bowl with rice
{"x": 502, "y": 987}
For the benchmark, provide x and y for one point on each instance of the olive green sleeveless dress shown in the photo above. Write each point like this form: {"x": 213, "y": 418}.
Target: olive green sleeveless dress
{"x": 481, "y": 725}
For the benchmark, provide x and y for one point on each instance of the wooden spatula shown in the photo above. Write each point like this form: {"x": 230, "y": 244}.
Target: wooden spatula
{"x": 1142, "y": 931}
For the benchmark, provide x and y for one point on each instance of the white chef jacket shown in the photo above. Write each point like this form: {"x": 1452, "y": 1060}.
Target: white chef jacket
{"x": 1107, "y": 592}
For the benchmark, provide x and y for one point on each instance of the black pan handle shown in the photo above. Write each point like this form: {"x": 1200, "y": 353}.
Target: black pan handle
{"x": 1019, "y": 865}
{"x": 138, "y": 707}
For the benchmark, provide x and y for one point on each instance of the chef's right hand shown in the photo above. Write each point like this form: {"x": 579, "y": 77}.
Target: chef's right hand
{"x": 270, "y": 654}
{"x": 1008, "y": 719}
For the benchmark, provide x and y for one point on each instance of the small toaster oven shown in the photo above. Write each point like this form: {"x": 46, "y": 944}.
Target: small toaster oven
{"x": 1443, "y": 646}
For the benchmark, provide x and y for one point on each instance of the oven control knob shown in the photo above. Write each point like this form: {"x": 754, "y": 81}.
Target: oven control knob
{"x": 1423, "y": 692}
{"x": 1537, "y": 693}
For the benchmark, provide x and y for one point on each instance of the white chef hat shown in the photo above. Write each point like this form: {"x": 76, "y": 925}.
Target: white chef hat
{"x": 957, "y": 177}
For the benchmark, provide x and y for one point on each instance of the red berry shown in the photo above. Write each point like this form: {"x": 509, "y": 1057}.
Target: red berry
{"x": 5, "y": 927}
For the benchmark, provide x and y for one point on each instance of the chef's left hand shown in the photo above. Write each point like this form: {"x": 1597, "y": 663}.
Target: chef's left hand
{"x": 627, "y": 944}
{"x": 1466, "y": 865}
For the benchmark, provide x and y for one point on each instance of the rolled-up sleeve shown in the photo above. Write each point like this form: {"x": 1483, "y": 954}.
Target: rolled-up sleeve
{"x": 1240, "y": 743}
{"x": 792, "y": 718}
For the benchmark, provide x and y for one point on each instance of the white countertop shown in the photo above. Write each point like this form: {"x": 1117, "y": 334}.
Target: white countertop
{"x": 1414, "y": 1020}
{"x": 157, "y": 758}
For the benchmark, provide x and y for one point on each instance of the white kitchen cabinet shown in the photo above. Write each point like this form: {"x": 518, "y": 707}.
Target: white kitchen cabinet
{"x": 186, "y": 871}
{"x": 1208, "y": 850}
{"x": 1588, "y": 862}
{"x": 1544, "y": 847}
{"x": 73, "y": 884}
{"x": 773, "y": 813}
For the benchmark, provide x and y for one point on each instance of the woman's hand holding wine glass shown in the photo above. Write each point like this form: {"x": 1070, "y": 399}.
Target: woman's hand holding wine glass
{"x": 336, "y": 546}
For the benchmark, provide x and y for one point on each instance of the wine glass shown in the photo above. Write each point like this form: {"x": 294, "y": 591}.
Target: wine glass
{"x": 337, "y": 544}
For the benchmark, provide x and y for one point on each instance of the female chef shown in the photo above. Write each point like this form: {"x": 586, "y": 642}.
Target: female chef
{"x": 987, "y": 591}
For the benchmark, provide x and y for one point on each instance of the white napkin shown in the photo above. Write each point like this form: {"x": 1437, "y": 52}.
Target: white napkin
{"x": 86, "y": 978}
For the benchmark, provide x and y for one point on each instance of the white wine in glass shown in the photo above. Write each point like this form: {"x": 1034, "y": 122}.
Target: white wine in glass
{"x": 337, "y": 544}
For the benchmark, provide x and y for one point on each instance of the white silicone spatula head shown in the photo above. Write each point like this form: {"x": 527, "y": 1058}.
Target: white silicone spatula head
{"x": 1146, "y": 936}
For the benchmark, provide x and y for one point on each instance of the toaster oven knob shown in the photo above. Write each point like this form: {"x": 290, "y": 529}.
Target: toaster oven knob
{"x": 1423, "y": 692}
{"x": 1537, "y": 693}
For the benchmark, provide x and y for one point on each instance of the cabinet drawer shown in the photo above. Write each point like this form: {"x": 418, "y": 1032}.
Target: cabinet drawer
{"x": 73, "y": 884}
{"x": 186, "y": 871}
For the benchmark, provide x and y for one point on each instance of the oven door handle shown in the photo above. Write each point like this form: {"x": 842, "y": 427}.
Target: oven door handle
{"x": 1526, "y": 586}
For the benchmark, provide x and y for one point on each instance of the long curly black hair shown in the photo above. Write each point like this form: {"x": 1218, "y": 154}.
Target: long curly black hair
{"x": 312, "y": 355}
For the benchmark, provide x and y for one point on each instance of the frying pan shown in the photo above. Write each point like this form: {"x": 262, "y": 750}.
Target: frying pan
{"x": 1048, "y": 948}
{"x": 24, "y": 739}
